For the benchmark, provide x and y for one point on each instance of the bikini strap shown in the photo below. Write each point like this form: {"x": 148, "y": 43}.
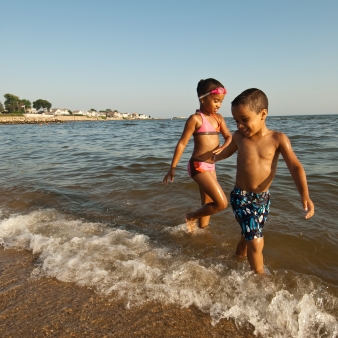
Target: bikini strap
{"x": 198, "y": 111}
{"x": 217, "y": 119}
{"x": 213, "y": 114}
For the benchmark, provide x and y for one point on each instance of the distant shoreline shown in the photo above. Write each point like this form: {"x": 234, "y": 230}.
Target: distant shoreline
{"x": 45, "y": 119}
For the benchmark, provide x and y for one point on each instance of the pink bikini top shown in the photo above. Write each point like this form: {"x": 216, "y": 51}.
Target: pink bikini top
{"x": 207, "y": 128}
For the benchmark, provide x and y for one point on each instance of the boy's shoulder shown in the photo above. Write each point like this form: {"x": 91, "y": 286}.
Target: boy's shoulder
{"x": 278, "y": 135}
{"x": 275, "y": 134}
{"x": 270, "y": 134}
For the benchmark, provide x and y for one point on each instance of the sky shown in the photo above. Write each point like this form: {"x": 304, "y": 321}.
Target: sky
{"x": 148, "y": 56}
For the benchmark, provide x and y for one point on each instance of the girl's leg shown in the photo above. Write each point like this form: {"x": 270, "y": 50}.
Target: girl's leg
{"x": 208, "y": 184}
{"x": 203, "y": 222}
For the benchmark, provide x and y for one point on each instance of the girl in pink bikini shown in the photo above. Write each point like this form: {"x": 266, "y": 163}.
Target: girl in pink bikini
{"x": 205, "y": 126}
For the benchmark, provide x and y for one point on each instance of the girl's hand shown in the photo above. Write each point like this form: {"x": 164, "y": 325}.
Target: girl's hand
{"x": 170, "y": 175}
{"x": 309, "y": 207}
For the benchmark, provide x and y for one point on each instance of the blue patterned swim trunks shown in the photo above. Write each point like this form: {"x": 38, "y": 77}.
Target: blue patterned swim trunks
{"x": 251, "y": 211}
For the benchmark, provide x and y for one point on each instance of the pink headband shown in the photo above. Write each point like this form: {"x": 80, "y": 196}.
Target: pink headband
{"x": 219, "y": 90}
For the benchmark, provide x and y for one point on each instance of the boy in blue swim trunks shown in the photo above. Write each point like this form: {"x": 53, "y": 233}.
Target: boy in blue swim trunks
{"x": 258, "y": 150}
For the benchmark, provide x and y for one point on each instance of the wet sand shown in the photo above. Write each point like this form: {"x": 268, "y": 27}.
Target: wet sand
{"x": 50, "y": 308}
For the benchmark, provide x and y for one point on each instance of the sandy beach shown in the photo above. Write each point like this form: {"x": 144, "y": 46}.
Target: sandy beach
{"x": 46, "y": 307}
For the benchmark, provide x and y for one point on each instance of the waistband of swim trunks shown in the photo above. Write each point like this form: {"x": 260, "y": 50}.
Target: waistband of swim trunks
{"x": 239, "y": 191}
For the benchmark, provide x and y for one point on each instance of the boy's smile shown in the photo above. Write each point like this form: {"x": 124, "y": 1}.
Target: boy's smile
{"x": 248, "y": 121}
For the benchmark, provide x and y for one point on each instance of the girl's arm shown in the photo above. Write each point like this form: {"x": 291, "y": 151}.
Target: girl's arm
{"x": 297, "y": 172}
{"x": 181, "y": 144}
{"x": 226, "y": 135}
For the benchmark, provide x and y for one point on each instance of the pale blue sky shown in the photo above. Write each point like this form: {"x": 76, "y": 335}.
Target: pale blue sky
{"x": 147, "y": 56}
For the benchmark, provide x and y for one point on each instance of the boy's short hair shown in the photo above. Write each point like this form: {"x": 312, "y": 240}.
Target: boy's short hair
{"x": 253, "y": 98}
{"x": 207, "y": 85}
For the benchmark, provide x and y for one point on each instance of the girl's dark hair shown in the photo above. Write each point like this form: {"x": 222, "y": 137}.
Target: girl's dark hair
{"x": 207, "y": 85}
{"x": 253, "y": 98}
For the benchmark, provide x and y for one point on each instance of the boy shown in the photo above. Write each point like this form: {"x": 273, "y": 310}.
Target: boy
{"x": 258, "y": 151}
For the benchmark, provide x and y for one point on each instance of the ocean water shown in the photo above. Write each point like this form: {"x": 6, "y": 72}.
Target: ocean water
{"x": 86, "y": 199}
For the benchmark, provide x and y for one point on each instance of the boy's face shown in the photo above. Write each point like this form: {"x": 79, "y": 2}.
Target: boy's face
{"x": 211, "y": 103}
{"x": 248, "y": 121}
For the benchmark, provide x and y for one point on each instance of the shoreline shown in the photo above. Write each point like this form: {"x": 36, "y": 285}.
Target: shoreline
{"x": 25, "y": 120}
{"x": 45, "y": 119}
{"x": 47, "y": 307}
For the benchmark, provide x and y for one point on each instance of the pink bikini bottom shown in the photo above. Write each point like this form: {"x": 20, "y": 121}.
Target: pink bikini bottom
{"x": 195, "y": 167}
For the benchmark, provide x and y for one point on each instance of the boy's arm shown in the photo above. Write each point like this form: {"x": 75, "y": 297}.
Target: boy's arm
{"x": 228, "y": 151}
{"x": 297, "y": 172}
{"x": 226, "y": 135}
{"x": 189, "y": 129}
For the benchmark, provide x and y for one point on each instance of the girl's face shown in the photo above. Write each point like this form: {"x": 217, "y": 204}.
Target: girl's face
{"x": 211, "y": 103}
{"x": 248, "y": 122}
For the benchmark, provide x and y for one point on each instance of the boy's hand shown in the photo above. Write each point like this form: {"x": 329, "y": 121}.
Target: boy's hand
{"x": 218, "y": 150}
{"x": 309, "y": 207}
{"x": 170, "y": 175}
{"x": 215, "y": 153}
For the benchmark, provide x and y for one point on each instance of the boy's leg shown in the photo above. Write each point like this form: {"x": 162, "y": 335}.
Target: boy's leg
{"x": 242, "y": 247}
{"x": 255, "y": 254}
{"x": 245, "y": 207}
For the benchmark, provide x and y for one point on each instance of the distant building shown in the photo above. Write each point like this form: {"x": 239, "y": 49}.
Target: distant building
{"x": 78, "y": 112}
{"x": 59, "y": 111}
{"x": 110, "y": 114}
{"x": 44, "y": 111}
{"x": 116, "y": 114}
{"x": 91, "y": 113}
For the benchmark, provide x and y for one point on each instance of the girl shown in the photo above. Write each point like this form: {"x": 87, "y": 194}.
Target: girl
{"x": 204, "y": 126}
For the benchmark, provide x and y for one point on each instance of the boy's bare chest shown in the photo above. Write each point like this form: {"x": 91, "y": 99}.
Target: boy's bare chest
{"x": 264, "y": 149}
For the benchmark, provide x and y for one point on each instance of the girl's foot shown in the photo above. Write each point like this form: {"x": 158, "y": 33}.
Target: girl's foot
{"x": 190, "y": 221}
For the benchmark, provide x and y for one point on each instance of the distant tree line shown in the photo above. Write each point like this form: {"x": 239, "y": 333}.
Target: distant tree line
{"x": 13, "y": 104}
{"x": 38, "y": 104}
